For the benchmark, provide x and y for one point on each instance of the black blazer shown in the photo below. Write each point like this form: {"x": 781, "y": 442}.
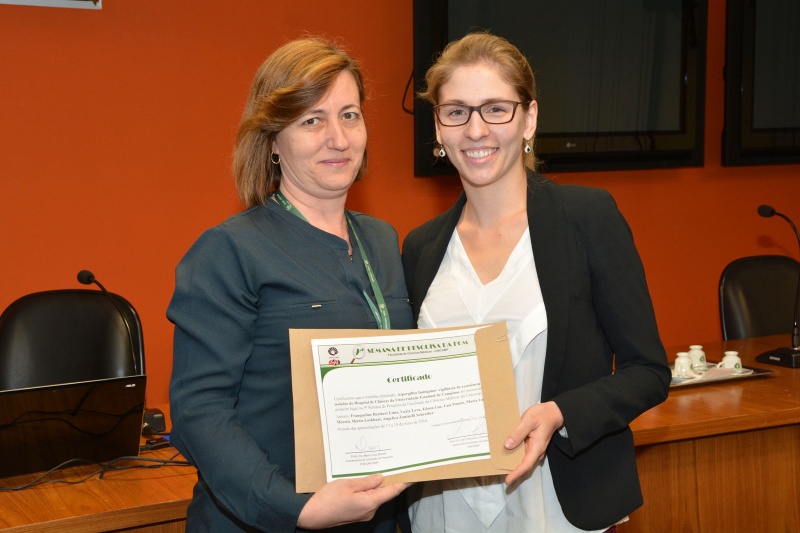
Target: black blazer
{"x": 605, "y": 363}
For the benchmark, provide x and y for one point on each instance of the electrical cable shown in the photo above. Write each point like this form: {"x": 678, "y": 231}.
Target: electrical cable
{"x": 405, "y": 94}
{"x": 42, "y": 479}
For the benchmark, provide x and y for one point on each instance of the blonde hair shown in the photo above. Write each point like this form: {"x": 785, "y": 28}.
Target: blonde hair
{"x": 483, "y": 47}
{"x": 291, "y": 80}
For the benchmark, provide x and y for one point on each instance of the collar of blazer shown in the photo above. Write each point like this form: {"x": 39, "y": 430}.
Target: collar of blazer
{"x": 548, "y": 231}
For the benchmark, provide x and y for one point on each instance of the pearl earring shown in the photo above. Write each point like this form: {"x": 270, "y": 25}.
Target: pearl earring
{"x": 528, "y": 148}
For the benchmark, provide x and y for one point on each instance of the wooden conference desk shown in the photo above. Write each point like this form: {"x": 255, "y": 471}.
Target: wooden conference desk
{"x": 712, "y": 458}
{"x": 136, "y": 500}
{"x": 722, "y": 457}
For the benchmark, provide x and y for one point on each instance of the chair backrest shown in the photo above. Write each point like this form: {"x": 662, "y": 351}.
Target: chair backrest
{"x": 67, "y": 336}
{"x": 757, "y": 296}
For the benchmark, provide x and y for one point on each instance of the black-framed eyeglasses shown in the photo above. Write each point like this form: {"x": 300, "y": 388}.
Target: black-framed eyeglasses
{"x": 497, "y": 112}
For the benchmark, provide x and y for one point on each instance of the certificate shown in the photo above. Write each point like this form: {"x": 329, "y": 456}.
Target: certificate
{"x": 413, "y": 405}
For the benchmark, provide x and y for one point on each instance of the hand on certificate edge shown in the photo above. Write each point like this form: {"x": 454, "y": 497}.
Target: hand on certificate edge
{"x": 347, "y": 500}
{"x": 535, "y": 429}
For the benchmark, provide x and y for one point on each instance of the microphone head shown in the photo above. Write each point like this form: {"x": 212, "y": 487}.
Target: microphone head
{"x": 766, "y": 211}
{"x": 85, "y": 277}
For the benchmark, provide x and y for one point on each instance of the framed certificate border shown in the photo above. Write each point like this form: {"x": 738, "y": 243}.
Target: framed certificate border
{"x": 499, "y": 397}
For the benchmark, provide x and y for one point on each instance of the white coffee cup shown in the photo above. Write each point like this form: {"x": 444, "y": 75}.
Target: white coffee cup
{"x": 731, "y": 360}
{"x": 682, "y": 368}
{"x": 698, "y": 357}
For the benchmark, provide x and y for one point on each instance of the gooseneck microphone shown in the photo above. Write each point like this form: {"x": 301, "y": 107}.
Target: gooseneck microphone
{"x": 789, "y": 357}
{"x": 85, "y": 277}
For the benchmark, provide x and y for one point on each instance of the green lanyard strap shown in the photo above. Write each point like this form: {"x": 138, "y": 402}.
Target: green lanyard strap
{"x": 380, "y": 312}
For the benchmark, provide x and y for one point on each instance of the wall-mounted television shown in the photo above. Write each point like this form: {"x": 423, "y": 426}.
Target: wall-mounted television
{"x": 762, "y": 83}
{"x": 621, "y": 82}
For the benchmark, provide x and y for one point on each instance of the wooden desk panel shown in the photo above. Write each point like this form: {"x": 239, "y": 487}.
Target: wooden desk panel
{"x": 724, "y": 456}
{"x": 757, "y": 470}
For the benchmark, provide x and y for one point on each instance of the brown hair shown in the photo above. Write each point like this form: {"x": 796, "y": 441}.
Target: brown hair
{"x": 295, "y": 77}
{"x": 483, "y": 47}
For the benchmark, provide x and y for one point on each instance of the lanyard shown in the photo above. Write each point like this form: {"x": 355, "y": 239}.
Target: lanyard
{"x": 380, "y": 312}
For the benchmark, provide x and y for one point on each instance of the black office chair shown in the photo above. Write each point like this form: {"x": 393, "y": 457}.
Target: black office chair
{"x": 757, "y": 296}
{"x": 67, "y": 336}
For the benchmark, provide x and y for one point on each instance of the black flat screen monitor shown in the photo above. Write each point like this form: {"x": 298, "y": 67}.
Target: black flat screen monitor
{"x": 621, "y": 82}
{"x": 762, "y": 83}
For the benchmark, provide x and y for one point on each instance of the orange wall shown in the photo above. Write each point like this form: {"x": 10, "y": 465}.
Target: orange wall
{"x": 116, "y": 128}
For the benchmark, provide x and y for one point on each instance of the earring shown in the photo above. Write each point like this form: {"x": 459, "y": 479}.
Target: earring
{"x": 440, "y": 152}
{"x": 272, "y": 158}
{"x": 528, "y": 148}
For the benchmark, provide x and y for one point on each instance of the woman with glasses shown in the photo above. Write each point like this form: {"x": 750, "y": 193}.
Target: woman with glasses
{"x": 557, "y": 263}
{"x": 295, "y": 258}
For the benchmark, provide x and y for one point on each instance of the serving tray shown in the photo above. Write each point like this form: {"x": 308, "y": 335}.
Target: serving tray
{"x": 712, "y": 374}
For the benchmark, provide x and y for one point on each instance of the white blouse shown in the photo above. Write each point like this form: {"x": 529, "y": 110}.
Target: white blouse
{"x": 458, "y": 298}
